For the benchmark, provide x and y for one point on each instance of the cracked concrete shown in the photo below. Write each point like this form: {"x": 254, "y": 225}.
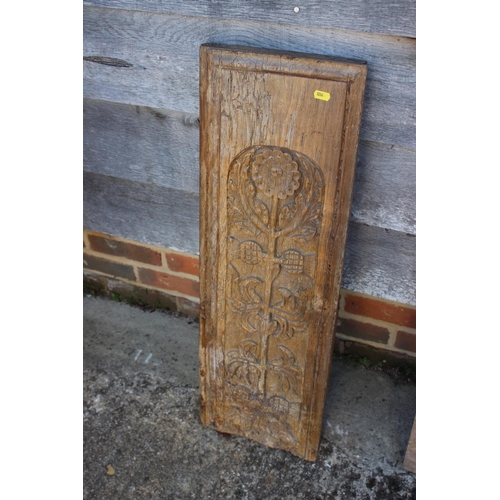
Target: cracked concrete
{"x": 141, "y": 418}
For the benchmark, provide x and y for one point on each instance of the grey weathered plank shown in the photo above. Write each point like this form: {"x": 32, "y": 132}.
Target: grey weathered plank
{"x": 163, "y": 54}
{"x": 385, "y": 187}
{"x": 380, "y": 262}
{"x": 162, "y": 147}
{"x": 141, "y": 144}
{"x": 374, "y": 16}
{"x": 377, "y": 261}
{"x": 142, "y": 212}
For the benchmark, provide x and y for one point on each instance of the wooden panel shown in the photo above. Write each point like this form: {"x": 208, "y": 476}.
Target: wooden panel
{"x": 377, "y": 262}
{"x": 410, "y": 462}
{"x": 279, "y": 134}
{"x": 158, "y": 63}
{"x": 376, "y": 16}
{"x": 162, "y": 147}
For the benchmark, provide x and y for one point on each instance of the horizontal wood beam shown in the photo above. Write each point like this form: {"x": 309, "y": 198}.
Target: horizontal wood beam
{"x": 378, "y": 261}
{"x": 161, "y": 147}
{"x": 374, "y": 16}
{"x": 152, "y": 60}
{"x": 142, "y": 144}
{"x": 147, "y": 213}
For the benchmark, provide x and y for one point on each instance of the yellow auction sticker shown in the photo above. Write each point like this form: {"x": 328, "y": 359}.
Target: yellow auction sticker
{"x": 324, "y": 96}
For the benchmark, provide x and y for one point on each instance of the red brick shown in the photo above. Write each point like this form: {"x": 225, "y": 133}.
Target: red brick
{"x": 169, "y": 282}
{"x": 115, "y": 269}
{"x": 125, "y": 249}
{"x": 381, "y": 310}
{"x": 188, "y": 307}
{"x": 406, "y": 341}
{"x": 364, "y": 331}
{"x": 183, "y": 263}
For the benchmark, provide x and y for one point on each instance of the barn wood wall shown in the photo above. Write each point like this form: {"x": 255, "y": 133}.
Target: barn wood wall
{"x": 141, "y": 128}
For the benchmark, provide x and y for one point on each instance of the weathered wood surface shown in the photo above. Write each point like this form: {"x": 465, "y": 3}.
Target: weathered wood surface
{"x": 410, "y": 462}
{"x": 380, "y": 262}
{"x": 278, "y": 143}
{"x": 153, "y": 61}
{"x": 161, "y": 147}
{"x": 377, "y": 262}
{"x": 375, "y": 16}
{"x": 385, "y": 187}
{"x": 142, "y": 144}
{"x": 141, "y": 212}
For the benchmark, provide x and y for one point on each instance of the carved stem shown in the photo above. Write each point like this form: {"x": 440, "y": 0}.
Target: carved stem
{"x": 246, "y": 206}
{"x": 267, "y": 331}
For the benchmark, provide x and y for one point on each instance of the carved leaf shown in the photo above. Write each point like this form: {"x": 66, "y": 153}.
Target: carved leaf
{"x": 249, "y": 190}
{"x": 286, "y": 370}
{"x": 282, "y": 325}
{"x": 289, "y": 356}
{"x": 315, "y": 210}
{"x": 242, "y": 363}
{"x": 286, "y": 214}
{"x": 252, "y": 375}
{"x": 261, "y": 210}
{"x": 296, "y": 328}
{"x": 232, "y": 185}
{"x": 233, "y": 203}
{"x": 304, "y": 233}
{"x": 249, "y": 320}
{"x": 247, "y": 289}
{"x": 308, "y": 229}
{"x": 234, "y": 368}
{"x": 247, "y": 227}
{"x": 289, "y": 302}
{"x": 247, "y": 350}
{"x": 234, "y": 304}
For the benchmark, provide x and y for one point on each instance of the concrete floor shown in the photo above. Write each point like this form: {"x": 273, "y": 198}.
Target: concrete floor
{"x": 143, "y": 437}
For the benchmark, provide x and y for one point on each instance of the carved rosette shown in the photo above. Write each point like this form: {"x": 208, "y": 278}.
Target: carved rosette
{"x": 275, "y": 173}
{"x": 275, "y": 203}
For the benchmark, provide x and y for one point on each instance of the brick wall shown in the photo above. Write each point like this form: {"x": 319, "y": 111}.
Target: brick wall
{"x": 161, "y": 277}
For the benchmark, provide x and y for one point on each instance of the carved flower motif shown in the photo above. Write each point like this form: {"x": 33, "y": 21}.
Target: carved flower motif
{"x": 275, "y": 173}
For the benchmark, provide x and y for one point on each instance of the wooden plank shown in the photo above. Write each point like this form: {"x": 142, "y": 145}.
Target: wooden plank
{"x": 410, "y": 462}
{"x": 381, "y": 263}
{"x": 375, "y": 16}
{"x": 377, "y": 262}
{"x": 141, "y": 212}
{"x": 162, "y": 51}
{"x": 385, "y": 187}
{"x": 141, "y": 144}
{"x": 161, "y": 147}
{"x": 278, "y": 142}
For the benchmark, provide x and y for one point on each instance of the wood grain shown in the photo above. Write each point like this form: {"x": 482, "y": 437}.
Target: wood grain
{"x": 410, "y": 462}
{"x": 376, "y": 16}
{"x": 385, "y": 187}
{"x": 381, "y": 263}
{"x": 377, "y": 261}
{"x": 142, "y": 144}
{"x": 162, "y": 51}
{"x": 279, "y": 135}
{"x": 161, "y": 147}
{"x": 141, "y": 212}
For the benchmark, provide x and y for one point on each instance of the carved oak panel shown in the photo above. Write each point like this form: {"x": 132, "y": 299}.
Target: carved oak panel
{"x": 277, "y": 163}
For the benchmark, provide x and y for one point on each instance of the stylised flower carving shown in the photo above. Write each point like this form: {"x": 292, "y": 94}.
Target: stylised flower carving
{"x": 275, "y": 173}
